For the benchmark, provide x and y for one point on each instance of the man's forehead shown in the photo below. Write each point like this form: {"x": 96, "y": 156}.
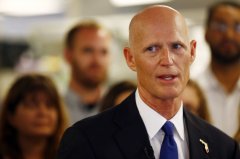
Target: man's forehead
{"x": 159, "y": 17}
{"x": 226, "y": 10}
{"x": 153, "y": 12}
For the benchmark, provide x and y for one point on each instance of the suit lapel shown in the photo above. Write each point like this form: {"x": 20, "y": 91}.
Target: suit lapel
{"x": 132, "y": 137}
{"x": 197, "y": 149}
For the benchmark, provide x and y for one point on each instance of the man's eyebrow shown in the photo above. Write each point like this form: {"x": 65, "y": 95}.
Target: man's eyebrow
{"x": 87, "y": 48}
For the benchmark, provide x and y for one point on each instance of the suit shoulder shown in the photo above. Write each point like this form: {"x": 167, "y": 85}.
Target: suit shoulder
{"x": 214, "y": 133}
{"x": 220, "y": 144}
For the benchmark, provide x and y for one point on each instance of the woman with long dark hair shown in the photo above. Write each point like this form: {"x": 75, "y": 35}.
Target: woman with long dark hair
{"x": 32, "y": 119}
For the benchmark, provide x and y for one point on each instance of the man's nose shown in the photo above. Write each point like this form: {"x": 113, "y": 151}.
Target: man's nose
{"x": 166, "y": 58}
{"x": 97, "y": 55}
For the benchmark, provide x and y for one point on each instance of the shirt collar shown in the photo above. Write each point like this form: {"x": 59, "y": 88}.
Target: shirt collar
{"x": 154, "y": 121}
{"x": 178, "y": 122}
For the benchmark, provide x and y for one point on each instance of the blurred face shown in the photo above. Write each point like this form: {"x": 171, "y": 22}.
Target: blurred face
{"x": 161, "y": 54}
{"x": 191, "y": 100}
{"x": 223, "y": 35}
{"x": 89, "y": 57}
{"x": 36, "y": 116}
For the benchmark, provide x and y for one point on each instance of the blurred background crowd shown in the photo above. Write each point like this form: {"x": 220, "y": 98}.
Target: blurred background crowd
{"x": 32, "y": 35}
{"x": 62, "y": 61}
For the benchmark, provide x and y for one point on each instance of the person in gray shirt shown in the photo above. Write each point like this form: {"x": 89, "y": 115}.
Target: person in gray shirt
{"x": 87, "y": 53}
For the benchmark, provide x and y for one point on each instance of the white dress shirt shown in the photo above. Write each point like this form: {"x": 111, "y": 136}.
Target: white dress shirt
{"x": 154, "y": 121}
{"x": 223, "y": 107}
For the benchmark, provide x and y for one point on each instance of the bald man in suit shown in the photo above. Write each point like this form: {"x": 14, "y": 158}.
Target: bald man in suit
{"x": 160, "y": 52}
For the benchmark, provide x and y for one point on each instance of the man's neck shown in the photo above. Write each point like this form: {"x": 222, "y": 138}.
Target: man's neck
{"x": 227, "y": 76}
{"x": 88, "y": 95}
{"x": 166, "y": 108}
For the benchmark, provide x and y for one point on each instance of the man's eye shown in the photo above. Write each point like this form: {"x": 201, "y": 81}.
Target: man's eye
{"x": 177, "y": 46}
{"x": 219, "y": 26}
{"x": 104, "y": 51}
{"x": 152, "y": 48}
{"x": 87, "y": 50}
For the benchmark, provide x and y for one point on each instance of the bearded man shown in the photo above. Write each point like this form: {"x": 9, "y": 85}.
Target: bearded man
{"x": 87, "y": 53}
{"x": 221, "y": 81}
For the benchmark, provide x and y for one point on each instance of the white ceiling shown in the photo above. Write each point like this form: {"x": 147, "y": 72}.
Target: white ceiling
{"x": 21, "y": 26}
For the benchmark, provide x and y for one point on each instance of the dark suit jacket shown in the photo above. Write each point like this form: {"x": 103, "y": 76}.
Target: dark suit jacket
{"x": 120, "y": 133}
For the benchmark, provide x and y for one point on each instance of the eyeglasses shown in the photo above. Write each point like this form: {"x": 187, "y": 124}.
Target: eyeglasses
{"x": 223, "y": 27}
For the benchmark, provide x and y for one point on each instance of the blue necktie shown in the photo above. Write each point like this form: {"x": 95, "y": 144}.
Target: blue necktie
{"x": 169, "y": 146}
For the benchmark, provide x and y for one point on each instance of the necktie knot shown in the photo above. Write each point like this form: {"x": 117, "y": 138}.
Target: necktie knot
{"x": 168, "y": 128}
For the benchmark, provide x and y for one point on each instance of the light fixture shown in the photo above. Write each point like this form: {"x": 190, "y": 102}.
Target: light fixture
{"x": 125, "y": 3}
{"x": 30, "y": 7}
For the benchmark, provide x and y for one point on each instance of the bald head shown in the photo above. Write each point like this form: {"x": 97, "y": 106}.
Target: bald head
{"x": 158, "y": 15}
{"x": 161, "y": 54}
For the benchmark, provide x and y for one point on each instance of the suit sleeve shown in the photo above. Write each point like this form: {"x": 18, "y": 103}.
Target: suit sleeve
{"x": 74, "y": 145}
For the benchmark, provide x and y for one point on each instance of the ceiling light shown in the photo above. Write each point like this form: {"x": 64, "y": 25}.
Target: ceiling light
{"x": 125, "y": 3}
{"x": 30, "y": 7}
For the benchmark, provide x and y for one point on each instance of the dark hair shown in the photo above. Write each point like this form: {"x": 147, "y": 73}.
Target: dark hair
{"x": 215, "y": 6}
{"x": 115, "y": 90}
{"x": 86, "y": 24}
{"x": 27, "y": 85}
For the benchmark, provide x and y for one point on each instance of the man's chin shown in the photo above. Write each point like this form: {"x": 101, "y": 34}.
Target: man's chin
{"x": 91, "y": 84}
{"x": 168, "y": 95}
{"x": 226, "y": 59}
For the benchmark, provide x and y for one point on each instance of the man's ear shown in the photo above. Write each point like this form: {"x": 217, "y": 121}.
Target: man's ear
{"x": 129, "y": 58}
{"x": 193, "y": 45}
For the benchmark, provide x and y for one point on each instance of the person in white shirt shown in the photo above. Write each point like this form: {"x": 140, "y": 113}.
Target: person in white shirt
{"x": 151, "y": 123}
{"x": 221, "y": 80}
